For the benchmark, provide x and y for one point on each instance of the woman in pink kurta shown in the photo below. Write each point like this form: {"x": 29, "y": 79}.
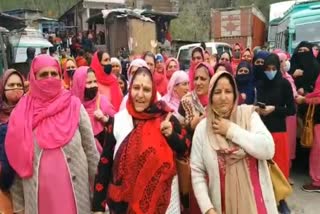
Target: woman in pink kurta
{"x": 47, "y": 118}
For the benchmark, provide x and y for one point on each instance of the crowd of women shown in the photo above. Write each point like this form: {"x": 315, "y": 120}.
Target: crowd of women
{"x": 90, "y": 139}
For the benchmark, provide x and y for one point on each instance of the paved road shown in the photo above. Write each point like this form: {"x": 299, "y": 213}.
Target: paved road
{"x": 302, "y": 202}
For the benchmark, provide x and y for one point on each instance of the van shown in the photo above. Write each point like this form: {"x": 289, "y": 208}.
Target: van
{"x": 184, "y": 53}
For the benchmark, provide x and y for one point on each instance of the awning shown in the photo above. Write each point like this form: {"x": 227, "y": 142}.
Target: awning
{"x": 11, "y": 22}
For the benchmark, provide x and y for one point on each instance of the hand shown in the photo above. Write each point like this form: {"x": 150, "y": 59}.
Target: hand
{"x": 196, "y": 120}
{"x": 301, "y": 91}
{"x": 221, "y": 126}
{"x": 244, "y": 96}
{"x": 98, "y": 114}
{"x": 211, "y": 211}
{"x": 268, "y": 110}
{"x": 300, "y": 99}
{"x": 166, "y": 126}
{"x": 298, "y": 73}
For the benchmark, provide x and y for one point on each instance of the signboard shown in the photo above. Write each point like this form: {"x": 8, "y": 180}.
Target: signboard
{"x": 230, "y": 23}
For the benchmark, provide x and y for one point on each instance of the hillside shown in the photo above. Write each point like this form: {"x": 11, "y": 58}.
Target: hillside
{"x": 51, "y": 8}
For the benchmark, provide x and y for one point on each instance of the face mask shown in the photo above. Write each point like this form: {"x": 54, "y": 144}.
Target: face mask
{"x": 14, "y": 95}
{"x": 70, "y": 73}
{"x": 90, "y": 93}
{"x": 108, "y": 68}
{"x": 51, "y": 86}
{"x": 237, "y": 55}
{"x": 287, "y": 67}
{"x": 303, "y": 57}
{"x": 270, "y": 74}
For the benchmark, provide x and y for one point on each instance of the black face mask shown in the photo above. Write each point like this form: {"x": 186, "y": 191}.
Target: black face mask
{"x": 90, "y": 93}
{"x": 237, "y": 55}
{"x": 258, "y": 71}
{"x": 71, "y": 73}
{"x": 304, "y": 58}
{"x": 108, "y": 68}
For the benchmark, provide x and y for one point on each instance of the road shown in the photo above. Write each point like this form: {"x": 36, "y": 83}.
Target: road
{"x": 301, "y": 202}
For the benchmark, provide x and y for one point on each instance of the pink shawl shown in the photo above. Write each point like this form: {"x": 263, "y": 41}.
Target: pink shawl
{"x": 171, "y": 98}
{"x": 316, "y": 91}
{"x": 48, "y": 113}
{"x": 78, "y": 88}
{"x": 283, "y": 57}
{"x": 169, "y": 74}
{"x": 108, "y": 80}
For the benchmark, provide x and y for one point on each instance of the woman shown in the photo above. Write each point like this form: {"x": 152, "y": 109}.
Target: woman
{"x": 225, "y": 57}
{"x": 98, "y": 107}
{"x": 134, "y": 65}
{"x": 258, "y": 65}
{"x": 81, "y": 60}
{"x": 314, "y": 163}
{"x": 236, "y": 56}
{"x": 276, "y": 93}
{"x": 136, "y": 172}
{"x": 247, "y": 55}
{"x": 223, "y": 67}
{"x": 50, "y": 144}
{"x": 245, "y": 82}
{"x": 123, "y": 84}
{"x": 70, "y": 67}
{"x": 178, "y": 87}
{"x": 116, "y": 66}
{"x": 197, "y": 56}
{"x": 192, "y": 106}
{"x": 150, "y": 59}
{"x": 228, "y": 156}
{"x": 304, "y": 68}
{"x": 11, "y": 89}
{"x": 107, "y": 82}
{"x": 291, "y": 121}
{"x": 172, "y": 65}
{"x": 159, "y": 75}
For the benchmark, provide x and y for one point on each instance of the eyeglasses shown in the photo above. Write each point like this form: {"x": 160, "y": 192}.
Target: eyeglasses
{"x": 224, "y": 59}
{"x": 243, "y": 71}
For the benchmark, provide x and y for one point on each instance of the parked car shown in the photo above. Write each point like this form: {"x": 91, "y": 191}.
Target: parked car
{"x": 184, "y": 53}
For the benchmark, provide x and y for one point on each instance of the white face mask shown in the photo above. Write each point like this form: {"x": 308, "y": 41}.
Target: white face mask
{"x": 287, "y": 67}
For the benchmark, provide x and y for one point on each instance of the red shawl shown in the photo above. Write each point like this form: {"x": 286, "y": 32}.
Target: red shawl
{"x": 109, "y": 80}
{"x": 144, "y": 165}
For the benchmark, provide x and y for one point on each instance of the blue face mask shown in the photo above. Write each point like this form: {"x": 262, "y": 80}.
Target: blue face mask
{"x": 271, "y": 74}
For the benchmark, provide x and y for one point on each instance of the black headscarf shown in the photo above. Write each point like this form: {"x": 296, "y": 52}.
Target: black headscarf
{"x": 245, "y": 82}
{"x": 306, "y": 62}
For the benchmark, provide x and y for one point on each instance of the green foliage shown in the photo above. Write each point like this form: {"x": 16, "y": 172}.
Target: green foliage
{"x": 51, "y": 8}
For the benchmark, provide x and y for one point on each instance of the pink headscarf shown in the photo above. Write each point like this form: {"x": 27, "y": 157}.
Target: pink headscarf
{"x": 193, "y": 65}
{"x": 283, "y": 57}
{"x": 171, "y": 98}
{"x": 78, "y": 88}
{"x": 204, "y": 98}
{"x": 48, "y": 112}
{"x": 169, "y": 74}
{"x": 136, "y": 63}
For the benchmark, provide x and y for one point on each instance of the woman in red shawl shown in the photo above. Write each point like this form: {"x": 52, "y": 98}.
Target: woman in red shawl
{"x": 236, "y": 56}
{"x": 159, "y": 75}
{"x": 247, "y": 55}
{"x": 137, "y": 172}
{"x": 69, "y": 68}
{"x": 107, "y": 82}
{"x": 172, "y": 65}
{"x": 197, "y": 56}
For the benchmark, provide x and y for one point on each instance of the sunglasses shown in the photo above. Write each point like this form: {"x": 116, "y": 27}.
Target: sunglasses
{"x": 243, "y": 71}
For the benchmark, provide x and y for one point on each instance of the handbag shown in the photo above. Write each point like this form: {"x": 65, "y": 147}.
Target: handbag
{"x": 307, "y": 132}
{"x": 184, "y": 175}
{"x": 5, "y": 203}
{"x": 281, "y": 187}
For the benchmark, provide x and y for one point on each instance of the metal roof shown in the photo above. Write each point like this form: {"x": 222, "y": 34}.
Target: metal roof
{"x": 11, "y": 22}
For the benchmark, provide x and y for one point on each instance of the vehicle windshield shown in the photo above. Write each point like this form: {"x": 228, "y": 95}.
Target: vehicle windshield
{"x": 308, "y": 32}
